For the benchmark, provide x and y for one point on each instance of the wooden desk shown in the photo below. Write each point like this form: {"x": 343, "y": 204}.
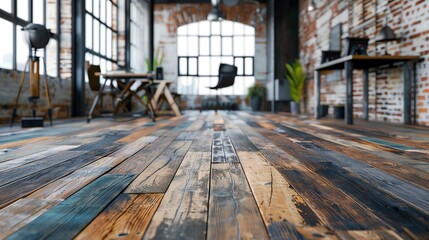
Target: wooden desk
{"x": 164, "y": 88}
{"x": 365, "y": 62}
{"x": 143, "y": 78}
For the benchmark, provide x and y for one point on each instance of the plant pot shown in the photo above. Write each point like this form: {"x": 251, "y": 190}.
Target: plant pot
{"x": 294, "y": 108}
{"x": 339, "y": 112}
{"x": 325, "y": 110}
{"x": 159, "y": 73}
{"x": 255, "y": 103}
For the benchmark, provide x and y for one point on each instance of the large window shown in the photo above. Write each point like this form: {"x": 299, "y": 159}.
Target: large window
{"x": 101, "y": 36}
{"x": 15, "y": 14}
{"x": 139, "y": 40}
{"x": 202, "y": 46}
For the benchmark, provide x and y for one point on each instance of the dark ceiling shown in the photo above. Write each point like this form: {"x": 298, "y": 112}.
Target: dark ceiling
{"x": 198, "y": 1}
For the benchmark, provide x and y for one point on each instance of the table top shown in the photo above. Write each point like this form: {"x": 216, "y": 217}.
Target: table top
{"x": 124, "y": 75}
{"x": 365, "y": 61}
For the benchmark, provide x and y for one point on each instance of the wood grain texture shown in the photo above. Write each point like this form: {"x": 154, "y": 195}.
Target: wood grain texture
{"x": 64, "y": 187}
{"x": 188, "y": 196}
{"x": 20, "y": 213}
{"x": 19, "y": 172}
{"x": 126, "y": 217}
{"x": 203, "y": 141}
{"x": 397, "y": 165}
{"x": 68, "y": 218}
{"x": 280, "y": 205}
{"x": 32, "y": 182}
{"x": 158, "y": 175}
{"x": 233, "y": 213}
{"x": 336, "y": 209}
{"x": 222, "y": 148}
{"x": 240, "y": 140}
{"x": 33, "y": 157}
{"x": 294, "y": 178}
{"x": 318, "y": 159}
{"x": 140, "y": 160}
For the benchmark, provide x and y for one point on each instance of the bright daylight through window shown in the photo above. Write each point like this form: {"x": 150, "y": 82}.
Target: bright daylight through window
{"x": 202, "y": 46}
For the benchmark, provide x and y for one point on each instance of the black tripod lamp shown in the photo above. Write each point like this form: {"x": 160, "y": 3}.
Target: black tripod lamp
{"x": 37, "y": 37}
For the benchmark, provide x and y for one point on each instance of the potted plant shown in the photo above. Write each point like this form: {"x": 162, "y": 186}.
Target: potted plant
{"x": 156, "y": 67}
{"x": 255, "y": 93}
{"x": 296, "y": 77}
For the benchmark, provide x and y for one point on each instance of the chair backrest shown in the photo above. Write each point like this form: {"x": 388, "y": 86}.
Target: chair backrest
{"x": 227, "y": 75}
{"x": 94, "y": 80}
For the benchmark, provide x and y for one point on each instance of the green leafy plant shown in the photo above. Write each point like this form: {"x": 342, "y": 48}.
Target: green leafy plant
{"x": 296, "y": 77}
{"x": 257, "y": 90}
{"x": 158, "y": 58}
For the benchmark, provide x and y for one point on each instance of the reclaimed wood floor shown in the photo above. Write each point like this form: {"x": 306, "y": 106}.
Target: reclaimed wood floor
{"x": 231, "y": 175}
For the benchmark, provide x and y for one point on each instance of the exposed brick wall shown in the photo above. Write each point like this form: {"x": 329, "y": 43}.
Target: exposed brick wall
{"x": 168, "y": 17}
{"x": 359, "y": 18}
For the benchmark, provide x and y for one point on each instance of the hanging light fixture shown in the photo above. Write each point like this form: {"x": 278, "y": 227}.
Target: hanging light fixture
{"x": 215, "y": 14}
{"x": 311, "y": 6}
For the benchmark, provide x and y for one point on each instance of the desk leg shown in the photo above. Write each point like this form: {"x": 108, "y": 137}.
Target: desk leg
{"x": 365, "y": 94}
{"x": 157, "y": 95}
{"x": 408, "y": 79}
{"x": 349, "y": 92}
{"x": 317, "y": 106}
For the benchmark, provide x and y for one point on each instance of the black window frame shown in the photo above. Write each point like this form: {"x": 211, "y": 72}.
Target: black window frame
{"x": 94, "y": 19}
{"x": 17, "y": 21}
{"x": 210, "y": 55}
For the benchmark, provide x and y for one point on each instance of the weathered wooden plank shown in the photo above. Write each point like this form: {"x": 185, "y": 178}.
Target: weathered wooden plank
{"x": 190, "y": 135}
{"x": 20, "y": 213}
{"x": 336, "y": 209}
{"x": 68, "y": 218}
{"x": 183, "y": 210}
{"x": 222, "y": 148}
{"x": 30, "y": 183}
{"x": 17, "y": 173}
{"x": 396, "y": 213}
{"x": 315, "y": 155}
{"x": 126, "y": 217}
{"x": 139, "y": 161}
{"x": 143, "y": 132}
{"x": 280, "y": 205}
{"x": 233, "y": 213}
{"x": 22, "y": 151}
{"x": 240, "y": 140}
{"x": 16, "y": 141}
{"x": 416, "y": 196}
{"x": 158, "y": 175}
{"x": 394, "y": 164}
{"x": 66, "y": 186}
{"x": 379, "y": 234}
{"x": 203, "y": 141}
{"x": 218, "y": 153}
{"x": 33, "y": 157}
{"x": 197, "y": 125}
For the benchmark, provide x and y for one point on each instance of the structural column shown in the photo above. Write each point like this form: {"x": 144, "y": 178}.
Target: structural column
{"x": 365, "y": 94}
{"x": 78, "y": 59}
{"x": 349, "y": 92}
{"x": 317, "y": 106}
{"x": 408, "y": 79}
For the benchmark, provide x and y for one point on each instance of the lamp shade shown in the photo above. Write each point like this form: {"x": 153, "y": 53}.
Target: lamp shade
{"x": 386, "y": 34}
{"x": 36, "y": 35}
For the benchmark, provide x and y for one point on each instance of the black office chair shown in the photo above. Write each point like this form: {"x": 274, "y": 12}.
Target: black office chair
{"x": 95, "y": 85}
{"x": 226, "y": 78}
